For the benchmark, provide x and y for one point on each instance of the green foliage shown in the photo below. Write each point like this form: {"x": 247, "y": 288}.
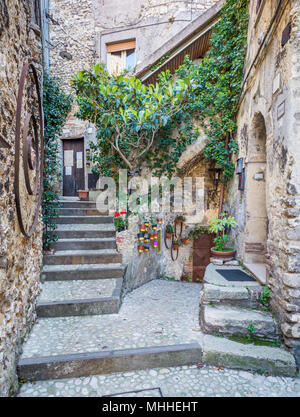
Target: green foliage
{"x": 265, "y": 298}
{"x": 57, "y": 105}
{"x": 221, "y": 225}
{"x": 153, "y": 125}
{"x": 135, "y": 122}
{"x": 198, "y": 231}
{"x": 169, "y": 228}
{"x": 219, "y": 79}
{"x": 251, "y": 330}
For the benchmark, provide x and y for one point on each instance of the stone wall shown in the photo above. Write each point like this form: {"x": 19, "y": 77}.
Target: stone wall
{"x": 268, "y": 134}
{"x": 20, "y": 257}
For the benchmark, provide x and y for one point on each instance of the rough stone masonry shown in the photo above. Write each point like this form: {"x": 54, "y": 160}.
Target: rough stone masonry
{"x": 20, "y": 257}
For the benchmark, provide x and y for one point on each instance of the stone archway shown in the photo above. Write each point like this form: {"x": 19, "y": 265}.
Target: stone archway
{"x": 256, "y": 228}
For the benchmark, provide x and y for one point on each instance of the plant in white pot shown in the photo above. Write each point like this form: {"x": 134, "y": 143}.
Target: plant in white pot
{"x": 221, "y": 226}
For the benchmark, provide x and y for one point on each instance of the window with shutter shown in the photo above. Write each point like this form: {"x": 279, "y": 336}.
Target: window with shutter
{"x": 120, "y": 56}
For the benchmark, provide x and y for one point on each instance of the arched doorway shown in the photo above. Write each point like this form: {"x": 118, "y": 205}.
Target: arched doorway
{"x": 256, "y": 229}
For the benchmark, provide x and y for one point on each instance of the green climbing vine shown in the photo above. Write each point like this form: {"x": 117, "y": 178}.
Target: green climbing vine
{"x": 219, "y": 80}
{"x": 57, "y": 105}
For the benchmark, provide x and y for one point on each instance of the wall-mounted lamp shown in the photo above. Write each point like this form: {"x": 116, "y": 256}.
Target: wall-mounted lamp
{"x": 216, "y": 175}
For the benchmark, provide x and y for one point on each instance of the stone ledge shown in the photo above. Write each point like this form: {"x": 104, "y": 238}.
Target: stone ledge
{"x": 223, "y": 352}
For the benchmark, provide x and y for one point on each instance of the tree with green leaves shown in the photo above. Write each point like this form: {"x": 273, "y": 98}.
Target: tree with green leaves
{"x": 136, "y": 123}
{"x": 128, "y": 114}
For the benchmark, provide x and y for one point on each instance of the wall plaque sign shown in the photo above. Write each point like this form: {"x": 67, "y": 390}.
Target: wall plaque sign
{"x": 29, "y": 154}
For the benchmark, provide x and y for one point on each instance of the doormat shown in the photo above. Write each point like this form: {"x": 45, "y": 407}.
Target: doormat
{"x": 235, "y": 275}
{"x": 151, "y": 392}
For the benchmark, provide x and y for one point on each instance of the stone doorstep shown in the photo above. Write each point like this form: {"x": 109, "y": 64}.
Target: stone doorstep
{"x": 104, "y": 362}
{"x": 231, "y": 321}
{"x": 215, "y": 351}
{"x": 83, "y": 219}
{"x": 74, "y": 257}
{"x": 82, "y": 272}
{"x": 85, "y": 244}
{"x": 234, "y": 296}
{"x": 80, "y": 307}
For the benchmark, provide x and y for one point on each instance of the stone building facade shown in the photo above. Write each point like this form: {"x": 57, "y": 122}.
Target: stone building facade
{"x": 268, "y": 208}
{"x": 20, "y": 256}
{"x": 81, "y": 32}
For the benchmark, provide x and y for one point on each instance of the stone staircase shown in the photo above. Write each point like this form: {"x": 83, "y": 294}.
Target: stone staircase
{"x": 81, "y": 330}
{"x": 240, "y": 328}
{"x": 84, "y": 275}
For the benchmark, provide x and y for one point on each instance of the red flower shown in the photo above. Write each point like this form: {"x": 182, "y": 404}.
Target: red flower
{"x": 117, "y": 215}
{"x": 123, "y": 212}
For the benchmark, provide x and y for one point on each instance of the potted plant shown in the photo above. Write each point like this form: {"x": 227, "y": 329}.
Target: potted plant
{"x": 142, "y": 227}
{"x": 169, "y": 231}
{"x": 184, "y": 277}
{"x": 176, "y": 244}
{"x": 83, "y": 195}
{"x": 220, "y": 226}
{"x": 120, "y": 222}
{"x": 146, "y": 248}
{"x": 141, "y": 248}
{"x": 159, "y": 220}
{"x": 185, "y": 240}
{"x": 141, "y": 237}
{"x": 179, "y": 219}
{"x": 155, "y": 243}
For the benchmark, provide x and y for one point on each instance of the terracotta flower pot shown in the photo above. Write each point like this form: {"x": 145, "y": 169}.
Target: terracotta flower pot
{"x": 83, "y": 194}
{"x": 185, "y": 241}
{"x": 222, "y": 255}
{"x": 142, "y": 228}
{"x": 168, "y": 235}
{"x": 175, "y": 247}
{"x": 141, "y": 249}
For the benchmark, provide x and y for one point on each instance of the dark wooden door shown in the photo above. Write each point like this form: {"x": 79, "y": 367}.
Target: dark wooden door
{"x": 73, "y": 176}
{"x": 201, "y": 255}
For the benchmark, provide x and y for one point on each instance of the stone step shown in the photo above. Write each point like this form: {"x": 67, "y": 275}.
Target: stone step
{"x": 75, "y": 257}
{"x": 236, "y": 296}
{"x": 104, "y": 362}
{"x": 92, "y": 211}
{"x": 83, "y": 219}
{"x": 77, "y": 204}
{"x": 229, "y": 320}
{"x": 69, "y": 231}
{"x": 82, "y": 272}
{"x": 77, "y": 298}
{"x": 85, "y": 243}
{"x": 219, "y": 351}
{"x": 142, "y": 335}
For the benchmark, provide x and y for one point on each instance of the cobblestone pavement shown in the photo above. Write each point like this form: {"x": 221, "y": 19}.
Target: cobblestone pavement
{"x": 159, "y": 313}
{"x": 182, "y": 381}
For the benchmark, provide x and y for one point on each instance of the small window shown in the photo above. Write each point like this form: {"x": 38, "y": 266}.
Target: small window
{"x": 120, "y": 57}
